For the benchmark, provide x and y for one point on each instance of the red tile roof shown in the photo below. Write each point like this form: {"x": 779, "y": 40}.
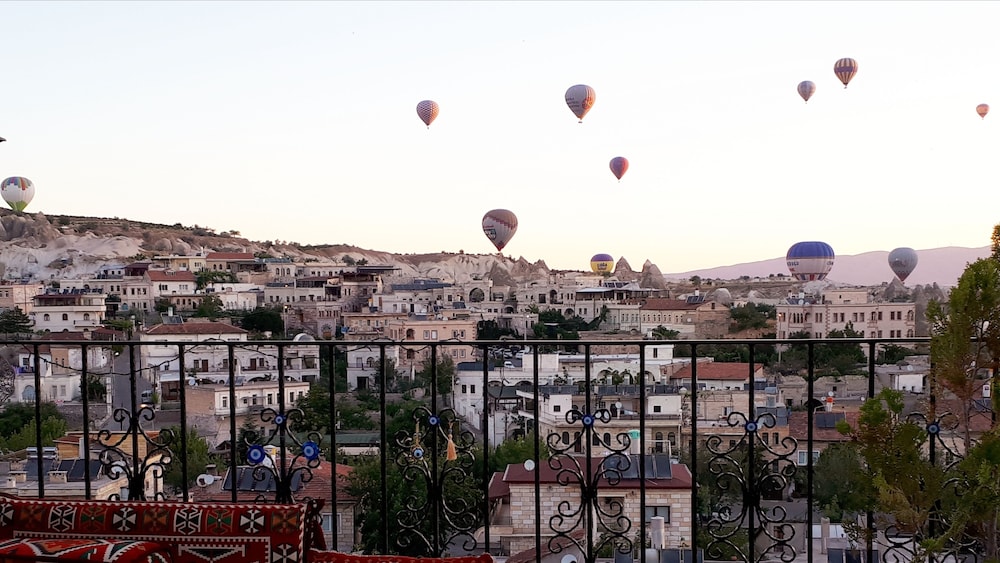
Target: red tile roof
{"x": 195, "y": 328}
{"x": 171, "y": 275}
{"x": 730, "y": 371}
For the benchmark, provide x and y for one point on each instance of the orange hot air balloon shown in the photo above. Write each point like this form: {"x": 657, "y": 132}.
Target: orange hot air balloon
{"x": 499, "y": 225}
{"x": 806, "y": 89}
{"x": 982, "y": 110}
{"x": 845, "y": 69}
{"x": 619, "y": 166}
{"x": 580, "y": 98}
{"x": 428, "y": 112}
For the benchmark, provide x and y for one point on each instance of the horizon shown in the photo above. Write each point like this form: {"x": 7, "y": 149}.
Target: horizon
{"x": 313, "y": 134}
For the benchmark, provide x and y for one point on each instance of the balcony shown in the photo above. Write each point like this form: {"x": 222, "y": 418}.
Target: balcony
{"x": 742, "y": 487}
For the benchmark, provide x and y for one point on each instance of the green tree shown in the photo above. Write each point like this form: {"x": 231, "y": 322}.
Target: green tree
{"x": 263, "y": 319}
{"x": 491, "y": 330}
{"x": 663, "y": 333}
{"x": 96, "y": 390}
{"x": 17, "y": 426}
{"x": 842, "y": 487}
{"x": 196, "y": 454}
{"x": 14, "y": 321}
{"x": 517, "y": 451}
{"x": 445, "y": 375}
{"x": 965, "y": 336}
{"x": 750, "y": 316}
{"x": 204, "y": 278}
{"x": 211, "y": 307}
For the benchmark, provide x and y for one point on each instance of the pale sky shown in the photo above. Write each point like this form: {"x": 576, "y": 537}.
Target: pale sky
{"x": 297, "y": 122}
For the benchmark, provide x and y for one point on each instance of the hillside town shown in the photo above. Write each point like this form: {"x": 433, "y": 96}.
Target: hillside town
{"x": 203, "y": 298}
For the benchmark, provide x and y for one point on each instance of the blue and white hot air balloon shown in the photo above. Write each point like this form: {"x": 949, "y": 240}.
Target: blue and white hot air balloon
{"x": 810, "y": 260}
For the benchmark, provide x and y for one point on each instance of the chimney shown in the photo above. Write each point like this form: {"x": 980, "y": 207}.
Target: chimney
{"x": 212, "y": 470}
{"x": 57, "y": 476}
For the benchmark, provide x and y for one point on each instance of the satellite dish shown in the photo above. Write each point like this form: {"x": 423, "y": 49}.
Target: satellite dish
{"x": 568, "y": 559}
{"x": 529, "y": 465}
{"x": 303, "y": 337}
{"x": 205, "y": 480}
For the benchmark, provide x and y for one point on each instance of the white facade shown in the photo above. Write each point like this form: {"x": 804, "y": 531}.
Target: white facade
{"x": 69, "y": 311}
{"x": 839, "y": 308}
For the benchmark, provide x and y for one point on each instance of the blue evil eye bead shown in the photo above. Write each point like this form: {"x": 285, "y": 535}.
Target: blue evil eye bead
{"x": 256, "y": 454}
{"x": 433, "y": 420}
{"x": 933, "y": 428}
{"x": 310, "y": 450}
{"x": 588, "y": 420}
{"x": 418, "y": 453}
{"x": 751, "y": 426}
{"x": 280, "y": 419}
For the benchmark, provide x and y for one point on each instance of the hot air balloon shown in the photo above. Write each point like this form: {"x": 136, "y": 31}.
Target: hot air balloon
{"x": 806, "y": 89}
{"x": 810, "y": 260}
{"x": 982, "y": 110}
{"x": 902, "y": 261}
{"x": 602, "y": 263}
{"x": 580, "y": 99}
{"x": 17, "y": 192}
{"x": 428, "y": 112}
{"x": 619, "y": 166}
{"x": 499, "y": 226}
{"x": 845, "y": 69}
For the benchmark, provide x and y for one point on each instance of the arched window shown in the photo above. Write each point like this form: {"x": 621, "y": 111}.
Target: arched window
{"x": 577, "y": 444}
{"x": 86, "y": 316}
{"x": 607, "y": 439}
{"x": 65, "y": 316}
{"x": 565, "y": 438}
{"x": 45, "y": 317}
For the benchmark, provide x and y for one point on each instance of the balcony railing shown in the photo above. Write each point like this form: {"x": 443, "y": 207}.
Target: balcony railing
{"x": 742, "y": 487}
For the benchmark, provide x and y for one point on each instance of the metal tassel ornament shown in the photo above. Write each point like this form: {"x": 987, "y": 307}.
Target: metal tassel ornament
{"x": 452, "y": 454}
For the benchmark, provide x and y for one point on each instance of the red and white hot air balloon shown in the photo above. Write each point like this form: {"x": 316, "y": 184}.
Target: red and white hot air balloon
{"x": 580, "y": 99}
{"x": 982, "y": 110}
{"x": 619, "y": 166}
{"x": 845, "y": 69}
{"x": 499, "y": 225}
{"x": 428, "y": 112}
{"x": 806, "y": 89}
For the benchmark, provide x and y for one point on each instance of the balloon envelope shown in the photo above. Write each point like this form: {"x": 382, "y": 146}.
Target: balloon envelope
{"x": 619, "y": 166}
{"x": 580, "y": 98}
{"x": 602, "y": 263}
{"x": 499, "y": 225}
{"x": 982, "y": 110}
{"x": 428, "y": 111}
{"x": 806, "y": 89}
{"x": 845, "y": 69}
{"x": 810, "y": 260}
{"x": 17, "y": 192}
{"x": 902, "y": 261}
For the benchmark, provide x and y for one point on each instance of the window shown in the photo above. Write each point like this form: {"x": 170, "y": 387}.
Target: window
{"x": 803, "y": 459}
{"x": 225, "y": 402}
{"x": 45, "y": 317}
{"x": 86, "y": 316}
{"x": 291, "y": 397}
{"x": 465, "y": 389}
{"x": 270, "y": 398}
{"x": 663, "y": 511}
{"x": 472, "y": 389}
{"x": 657, "y": 408}
{"x": 556, "y": 408}
{"x": 65, "y": 317}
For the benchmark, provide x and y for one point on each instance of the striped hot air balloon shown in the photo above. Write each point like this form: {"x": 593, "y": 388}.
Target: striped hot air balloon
{"x": 845, "y": 69}
{"x": 982, "y": 110}
{"x": 810, "y": 260}
{"x": 428, "y": 112}
{"x": 806, "y": 89}
{"x": 499, "y": 225}
{"x": 580, "y": 99}
{"x": 619, "y": 166}
{"x": 602, "y": 263}
{"x": 17, "y": 192}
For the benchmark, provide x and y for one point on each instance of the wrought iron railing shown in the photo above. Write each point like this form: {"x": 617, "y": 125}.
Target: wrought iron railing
{"x": 740, "y": 488}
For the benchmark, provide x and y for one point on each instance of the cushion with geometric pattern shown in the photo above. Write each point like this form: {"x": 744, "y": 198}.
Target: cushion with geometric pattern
{"x": 193, "y": 532}
{"x": 104, "y": 551}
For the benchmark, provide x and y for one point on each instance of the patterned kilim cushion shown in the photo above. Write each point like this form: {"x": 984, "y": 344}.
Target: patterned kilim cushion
{"x": 194, "y": 532}
{"x": 105, "y": 551}
{"x": 317, "y": 556}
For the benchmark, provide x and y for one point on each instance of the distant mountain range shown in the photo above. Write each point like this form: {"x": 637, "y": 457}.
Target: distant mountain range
{"x": 942, "y": 266}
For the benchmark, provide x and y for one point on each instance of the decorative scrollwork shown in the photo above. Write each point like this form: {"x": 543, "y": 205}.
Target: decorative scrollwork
{"x": 116, "y": 462}
{"x": 286, "y": 472}
{"x": 436, "y": 460}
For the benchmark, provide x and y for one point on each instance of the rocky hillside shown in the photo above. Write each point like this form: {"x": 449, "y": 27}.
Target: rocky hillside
{"x": 36, "y": 246}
